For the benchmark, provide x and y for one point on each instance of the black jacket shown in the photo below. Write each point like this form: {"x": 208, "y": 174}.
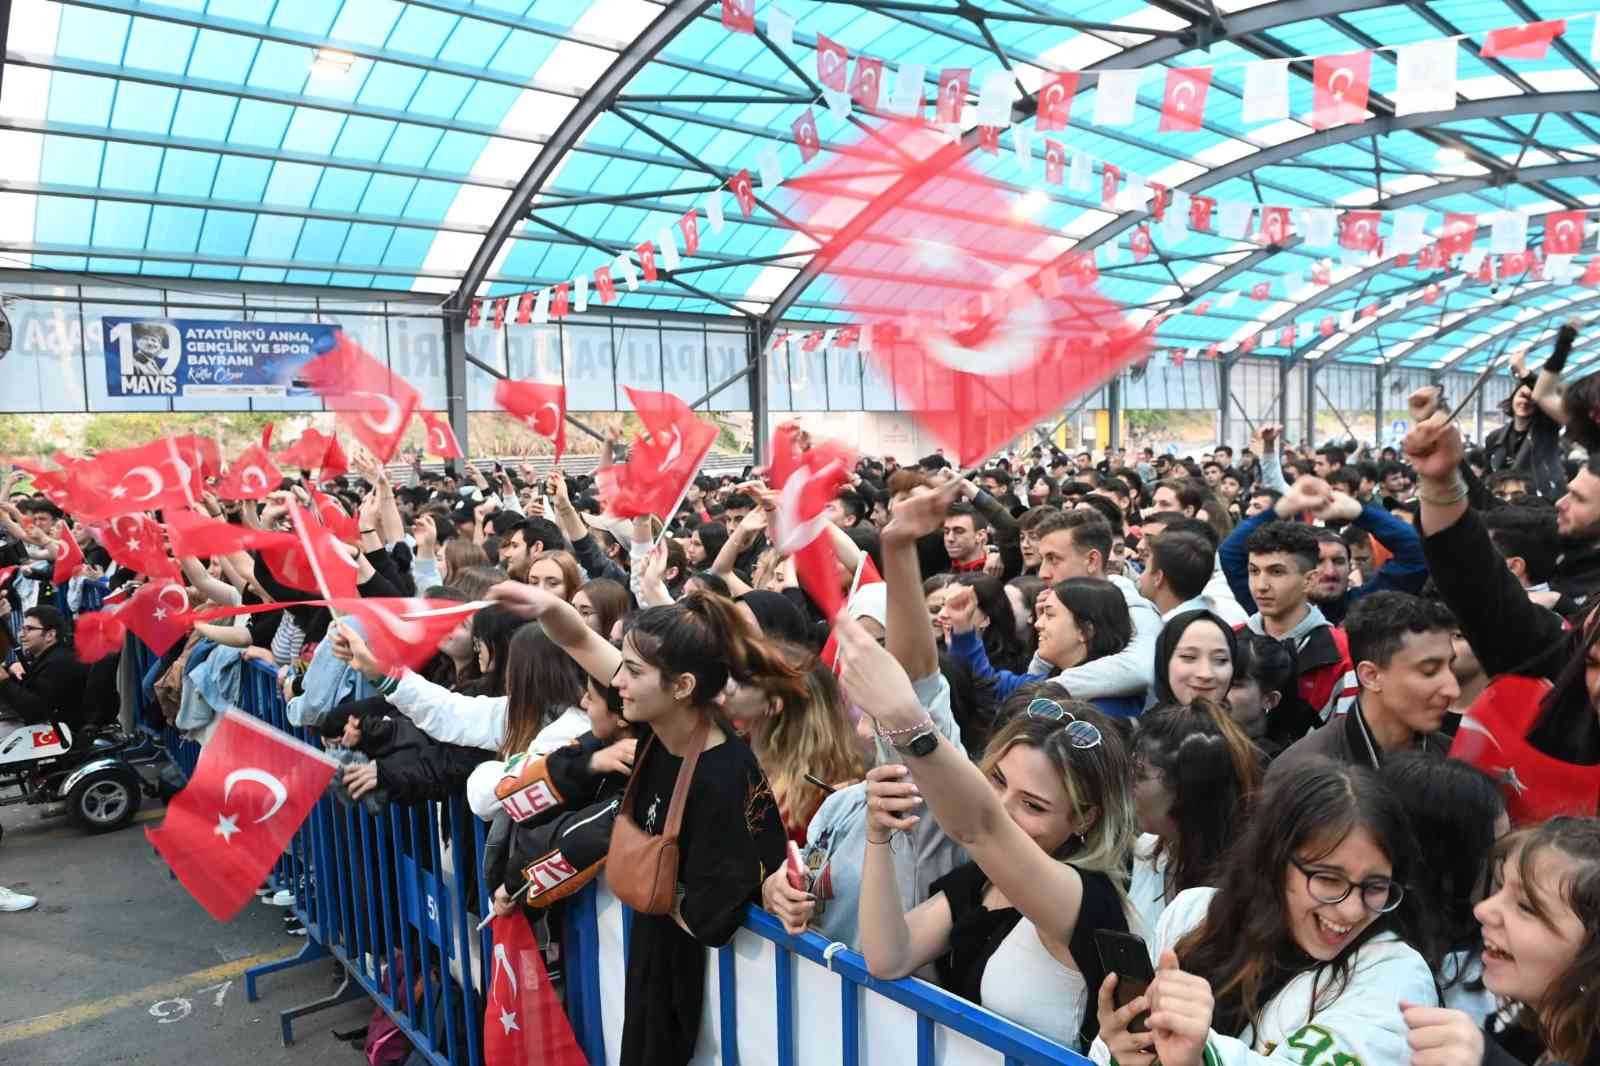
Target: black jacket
{"x": 1348, "y": 739}
{"x": 1577, "y": 575}
{"x": 412, "y": 766}
{"x": 50, "y": 691}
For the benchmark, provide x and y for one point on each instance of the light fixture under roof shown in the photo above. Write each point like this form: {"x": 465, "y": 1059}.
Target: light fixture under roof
{"x": 331, "y": 63}
{"x": 1450, "y": 154}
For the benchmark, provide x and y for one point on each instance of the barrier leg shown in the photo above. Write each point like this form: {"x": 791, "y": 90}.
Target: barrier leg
{"x": 310, "y": 953}
{"x": 347, "y": 991}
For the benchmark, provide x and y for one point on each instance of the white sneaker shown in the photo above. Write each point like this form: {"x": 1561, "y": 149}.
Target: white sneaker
{"x": 16, "y": 901}
{"x": 282, "y": 898}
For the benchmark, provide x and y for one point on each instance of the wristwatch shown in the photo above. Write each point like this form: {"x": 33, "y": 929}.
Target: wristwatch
{"x": 921, "y": 743}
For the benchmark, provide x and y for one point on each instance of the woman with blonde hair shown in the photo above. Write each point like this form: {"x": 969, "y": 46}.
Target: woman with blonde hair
{"x": 556, "y": 571}
{"x": 455, "y": 555}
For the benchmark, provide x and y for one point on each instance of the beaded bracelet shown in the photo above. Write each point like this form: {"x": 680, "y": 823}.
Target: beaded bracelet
{"x": 927, "y": 721}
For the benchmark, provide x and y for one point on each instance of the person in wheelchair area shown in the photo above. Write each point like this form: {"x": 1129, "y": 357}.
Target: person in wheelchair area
{"x": 48, "y": 684}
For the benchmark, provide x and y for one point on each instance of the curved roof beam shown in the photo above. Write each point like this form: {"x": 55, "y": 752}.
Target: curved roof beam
{"x": 1240, "y": 24}
{"x": 1587, "y": 168}
{"x": 1518, "y": 326}
{"x": 675, "y": 15}
{"x": 1487, "y": 307}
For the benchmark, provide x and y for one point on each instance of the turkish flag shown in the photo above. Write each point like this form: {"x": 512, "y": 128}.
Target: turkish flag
{"x": 661, "y": 463}
{"x": 316, "y": 451}
{"x": 1563, "y": 232}
{"x": 1110, "y": 178}
{"x": 405, "y": 631}
{"x": 743, "y": 192}
{"x": 253, "y": 476}
{"x": 1358, "y": 230}
{"x": 603, "y": 283}
{"x": 158, "y": 614}
{"x": 1430, "y": 258}
{"x": 832, "y": 58}
{"x": 1055, "y": 101}
{"x": 331, "y": 513}
{"x": 806, "y": 482}
{"x": 1274, "y": 225}
{"x": 542, "y": 408}
{"x": 1339, "y": 89}
{"x": 1531, "y": 40}
{"x": 1002, "y": 356}
{"x": 125, "y": 480}
{"x": 1515, "y": 263}
{"x": 867, "y": 84}
{"x": 317, "y": 560}
{"x": 739, "y": 15}
{"x": 69, "y": 556}
{"x": 441, "y": 438}
{"x": 475, "y": 312}
{"x": 647, "y": 260}
{"x": 1139, "y": 243}
{"x": 1460, "y": 233}
{"x": 1485, "y": 272}
{"x": 866, "y": 576}
{"x": 1160, "y": 199}
{"x": 1055, "y": 162}
{"x": 989, "y": 139}
{"x": 1370, "y": 311}
{"x": 1200, "y": 208}
{"x": 372, "y": 400}
{"x": 1591, "y": 273}
{"x": 1430, "y": 294}
{"x": 689, "y": 225}
{"x": 1493, "y": 736}
{"x": 96, "y": 634}
{"x": 1321, "y": 272}
{"x": 523, "y": 1020}
{"x": 249, "y": 792}
{"x": 525, "y": 309}
{"x": 135, "y": 541}
{"x": 560, "y": 299}
{"x": 1326, "y": 326}
{"x": 1286, "y": 337}
{"x": 498, "y": 317}
{"x": 195, "y": 536}
{"x": 953, "y": 82}
{"x": 1183, "y": 105}
{"x": 1261, "y": 290}
{"x": 805, "y": 135}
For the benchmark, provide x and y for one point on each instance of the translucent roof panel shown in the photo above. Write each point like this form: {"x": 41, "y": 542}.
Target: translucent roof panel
{"x": 475, "y": 149}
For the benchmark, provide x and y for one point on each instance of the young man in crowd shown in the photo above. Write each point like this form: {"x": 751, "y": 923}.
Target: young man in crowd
{"x": 49, "y": 688}
{"x": 1180, "y": 565}
{"x": 966, "y": 538}
{"x": 1402, "y": 649}
{"x": 1281, "y": 574}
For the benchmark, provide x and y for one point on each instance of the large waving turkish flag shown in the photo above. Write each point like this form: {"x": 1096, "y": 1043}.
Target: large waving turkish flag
{"x": 250, "y": 791}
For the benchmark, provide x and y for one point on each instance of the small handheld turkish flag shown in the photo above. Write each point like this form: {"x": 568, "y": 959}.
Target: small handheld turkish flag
{"x": 69, "y": 556}
{"x": 660, "y": 464}
{"x": 807, "y": 481}
{"x": 252, "y": 476}
{"x": 372, "y": 400}
{"x": 158, "y": 614}
{"x": 250, "y": 791}
{"x": 405, "y": 632}
{"x": 441, "y": 438}
{"x": 151, "y": 476}
{"x": 540, "y": 407}
{"x": 134, "y": 541}
{"x": 523, "y": 1020}
{"x": 96, "y": 634}
{"x": 316, "y": 451}
{"x": 1493, "y": 736}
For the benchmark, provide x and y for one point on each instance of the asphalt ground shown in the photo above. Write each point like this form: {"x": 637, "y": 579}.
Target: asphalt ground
{"x": 118, "y": 964}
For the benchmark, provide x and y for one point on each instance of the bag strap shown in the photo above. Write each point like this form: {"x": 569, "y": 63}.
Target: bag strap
{"x": 680, "y": 790}
{"x": 626, "y": 810}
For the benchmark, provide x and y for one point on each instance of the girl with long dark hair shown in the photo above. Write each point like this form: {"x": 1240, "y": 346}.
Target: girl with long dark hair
{"x": 994, "y": 621}
{"x": 1303, "y": 947}
{"x": 1195, "y": 656}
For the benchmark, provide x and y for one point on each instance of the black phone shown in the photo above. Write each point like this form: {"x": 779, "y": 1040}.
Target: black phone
{"x": 1126, "y": 956}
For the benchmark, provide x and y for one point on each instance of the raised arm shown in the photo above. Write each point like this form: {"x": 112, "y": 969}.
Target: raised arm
{"x": 910, "y": 638}
{"x": 561, "y": 621}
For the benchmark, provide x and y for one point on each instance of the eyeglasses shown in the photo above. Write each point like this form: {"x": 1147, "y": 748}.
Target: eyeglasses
{"x": 31, "y": 629}
{"x": 1380, "y": 895}
{"x": 1080, "y": 734}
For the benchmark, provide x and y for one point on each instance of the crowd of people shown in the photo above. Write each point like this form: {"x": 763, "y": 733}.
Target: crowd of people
{"x": 1207, "y": 702}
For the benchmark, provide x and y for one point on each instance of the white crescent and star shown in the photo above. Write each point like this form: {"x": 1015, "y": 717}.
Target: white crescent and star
{"x": 790, "y": 534}
{"x": 149, "y": 475}
{"x": 256, "y": 775}
{"x": 161, "y": 597}
{"x": 1334, "y": 88}
{"x": 393, "y": 415}
{"x": 1184, "y": 88}
{"x": 1004, "y": 351}
{"x": 674, "y": 449}
{"x": 436, "y": 438}
{"x": 508, "y": 1019}
{"x": 555, "y": 419}
{"x": 255, "y": 474}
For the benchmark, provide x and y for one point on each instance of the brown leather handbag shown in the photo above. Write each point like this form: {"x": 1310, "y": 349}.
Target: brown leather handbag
{"x": 642, "y": 869}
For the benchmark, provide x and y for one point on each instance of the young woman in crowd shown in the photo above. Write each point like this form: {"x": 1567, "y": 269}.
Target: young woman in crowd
{"x": 1195, "y": 656}
{"x": 1457, "y": 814}
{"x": 1194, "y": 773}
{"x": 994, "y": 621}
{"x": 935, "y": 591}
{"x": 1079, "y": 620}
{"x": 1023, "y": 592}
{"x": 1047, "y": 820}
{"x": 601, "y": 603}
{"x": 557, "y": 572}
{"x": 1303, "y": 950}
{"x": 1262, "y": 698}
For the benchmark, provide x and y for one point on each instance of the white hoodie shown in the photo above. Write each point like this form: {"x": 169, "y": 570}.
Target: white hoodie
{"x": 1362, "y": 1027}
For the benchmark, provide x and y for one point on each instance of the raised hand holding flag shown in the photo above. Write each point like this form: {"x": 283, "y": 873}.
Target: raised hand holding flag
{"x": 806, "y": 482}
{"x": 661, "y": 463}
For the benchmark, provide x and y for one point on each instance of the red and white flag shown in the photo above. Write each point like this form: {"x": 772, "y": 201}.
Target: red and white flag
{"x": 405, "y": 632}
{"x": 1055, "y": 161}
{"x": 1200, "y": 208}
{"x": 125, "y": 480}
{"x": 372, "y": 400}
{"x": 134, "y": 541}
{"x": 331, "y": 570}
{"x": 1339, "y": 89}
{"x": 250, "y": 791}
{"x": 1459, "y": 234}
{"x": 1139, "y": 244}
{"x": 977, "y": 371}
{"x": 866, "y": 85}
{"x": 196, "y": 536}
{"x": 739, "y": 15}
{"x": 540, "y": 407}
{"x": 1528, "y": 41}
{"x": 1055, "y": 101}
{"x": 1563, "y": 232}
{"x": 832, "y": 59}
{"x": 661, "y": 463}
{"x": 743, "y": 192}
{"x": 805, "y": 135}
{"x": 1274, "y": 225}
{"x": 253, "y": 476}
{"x": 1358, "y": 230}
{"x": 953, "y": 82}
{"x": 316, "y": 451}
{"x": 158, "y": 614}
{"x": 806, "y": 482}
{"x": 523, "y": 1020}
{"x": 69, "y": 556}
{"x": 96, "y": 634}
{"x": 1183, "y": 105}
{"x": 441, "y": 438}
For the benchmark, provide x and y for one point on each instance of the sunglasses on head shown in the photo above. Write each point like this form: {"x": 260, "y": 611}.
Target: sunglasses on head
{"x": 1080, "y": 734}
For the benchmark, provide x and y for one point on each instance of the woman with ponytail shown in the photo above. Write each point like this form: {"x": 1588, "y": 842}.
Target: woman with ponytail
{"x": 677, "y": 660}
{"x": 1194, "y": 770}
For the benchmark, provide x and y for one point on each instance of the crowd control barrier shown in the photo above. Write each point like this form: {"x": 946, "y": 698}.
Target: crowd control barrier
{"x": 395, "y": 899}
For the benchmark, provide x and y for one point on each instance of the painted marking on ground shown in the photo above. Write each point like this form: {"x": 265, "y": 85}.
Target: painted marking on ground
{"x": 200, "y": 980}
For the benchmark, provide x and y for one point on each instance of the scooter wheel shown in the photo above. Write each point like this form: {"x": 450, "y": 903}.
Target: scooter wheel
{"x": 105, "y": 800}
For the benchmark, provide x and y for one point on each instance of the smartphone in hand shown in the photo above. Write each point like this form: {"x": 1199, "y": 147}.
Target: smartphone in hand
{"x": 1127, "y": 956}
{"x": 799, "y": 875}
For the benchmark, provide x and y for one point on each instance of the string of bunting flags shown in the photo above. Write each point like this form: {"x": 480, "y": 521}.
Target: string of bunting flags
{"x": 1424, "y": 80}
